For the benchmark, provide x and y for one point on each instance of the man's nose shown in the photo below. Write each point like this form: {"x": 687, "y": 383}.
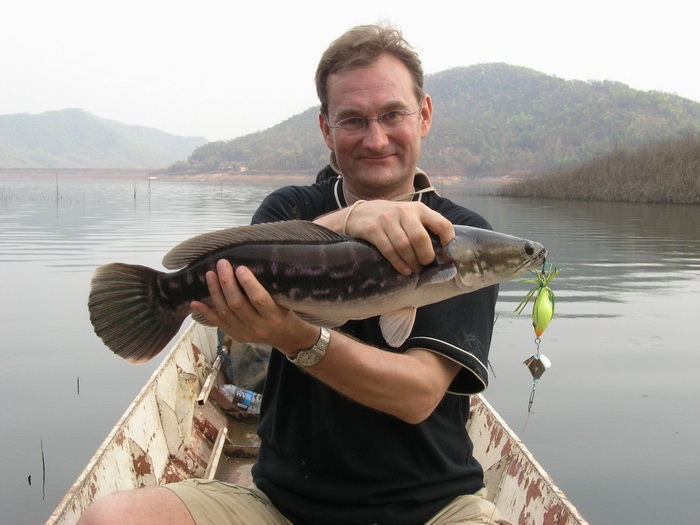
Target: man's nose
{"x": 375, "y": 135}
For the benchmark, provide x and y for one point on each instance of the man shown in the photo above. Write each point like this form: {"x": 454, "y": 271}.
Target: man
{"x": 353, "y": 431}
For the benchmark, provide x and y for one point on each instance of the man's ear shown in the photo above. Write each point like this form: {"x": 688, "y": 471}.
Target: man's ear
{"x": 426, "y": 114}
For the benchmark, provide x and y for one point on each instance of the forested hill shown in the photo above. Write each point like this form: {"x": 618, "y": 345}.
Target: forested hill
{"x": 488, "y": 119}
{"x": 74, "y": 138}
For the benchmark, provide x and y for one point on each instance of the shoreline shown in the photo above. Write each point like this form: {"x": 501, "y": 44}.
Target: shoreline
{"x": 289, "y": 177}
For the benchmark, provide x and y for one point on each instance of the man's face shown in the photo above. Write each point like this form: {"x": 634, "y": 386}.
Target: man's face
{"x": 375, "y": 162}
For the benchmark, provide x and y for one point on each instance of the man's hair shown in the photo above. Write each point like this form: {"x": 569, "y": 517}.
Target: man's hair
{"x": 360, "y": 47}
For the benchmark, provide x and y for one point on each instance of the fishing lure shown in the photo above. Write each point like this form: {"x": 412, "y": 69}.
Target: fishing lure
{"x": 543, "y": 309}
{"x": 542, "y": 314}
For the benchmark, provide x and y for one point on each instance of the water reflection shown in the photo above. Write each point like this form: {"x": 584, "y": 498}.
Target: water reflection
{"x": 605, "y": 250}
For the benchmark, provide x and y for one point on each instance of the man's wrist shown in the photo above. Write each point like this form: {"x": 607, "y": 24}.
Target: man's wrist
{"x": 309, "y": 335}
{"x": 312, "y": 355}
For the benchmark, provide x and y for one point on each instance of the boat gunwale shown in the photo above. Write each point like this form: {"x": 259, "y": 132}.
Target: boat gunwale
{"x": 525, "y": 453}
{"x": 64, "y": 505}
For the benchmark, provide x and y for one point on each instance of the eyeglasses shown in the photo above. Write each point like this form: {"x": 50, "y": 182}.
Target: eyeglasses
{"x": 389, "y": 120}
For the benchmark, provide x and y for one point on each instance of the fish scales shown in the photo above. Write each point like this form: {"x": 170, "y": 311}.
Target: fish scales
{"x": 331, "y": 273}
{"x": 326, "y": 277}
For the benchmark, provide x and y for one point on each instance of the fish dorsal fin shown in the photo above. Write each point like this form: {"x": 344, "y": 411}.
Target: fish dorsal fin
{"x": 284, "y": 232}
{"x": 397, "y": 325}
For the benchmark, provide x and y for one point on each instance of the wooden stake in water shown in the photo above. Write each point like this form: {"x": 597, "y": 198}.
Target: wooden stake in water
{"x": 43, "y": 473}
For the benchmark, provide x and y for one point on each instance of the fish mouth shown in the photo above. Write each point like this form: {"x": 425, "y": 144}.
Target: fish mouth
{"x": 538, "y": 259}
{"x": 541, "y": 257}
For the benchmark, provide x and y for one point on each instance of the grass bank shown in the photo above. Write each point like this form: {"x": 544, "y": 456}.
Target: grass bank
{"x": 662, "y": 172}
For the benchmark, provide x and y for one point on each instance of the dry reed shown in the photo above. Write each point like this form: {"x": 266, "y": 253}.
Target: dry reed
{"x": 661, "y": 172}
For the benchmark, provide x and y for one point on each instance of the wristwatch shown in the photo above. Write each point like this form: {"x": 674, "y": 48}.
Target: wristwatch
{"x": 311, "y": 356}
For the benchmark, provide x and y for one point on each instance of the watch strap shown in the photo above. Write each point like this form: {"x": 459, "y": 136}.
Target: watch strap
{"x": 311, "y": 356}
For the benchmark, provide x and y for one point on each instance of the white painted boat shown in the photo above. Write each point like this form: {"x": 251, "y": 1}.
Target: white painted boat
{"x": 181, "y": 425}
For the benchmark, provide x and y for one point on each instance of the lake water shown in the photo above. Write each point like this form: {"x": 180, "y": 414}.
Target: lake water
{"x": 614, "y": 419}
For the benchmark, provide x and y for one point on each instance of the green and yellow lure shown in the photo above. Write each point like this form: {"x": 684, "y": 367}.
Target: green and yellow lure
{"x": 543, "y": 309}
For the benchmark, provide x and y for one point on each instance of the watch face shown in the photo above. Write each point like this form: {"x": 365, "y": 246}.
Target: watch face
{"x": 308, "y": 358}
{"x": 314, "y": 354}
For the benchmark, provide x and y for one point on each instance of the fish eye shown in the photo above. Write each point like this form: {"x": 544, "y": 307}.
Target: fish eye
{"x": 529, "y": 248}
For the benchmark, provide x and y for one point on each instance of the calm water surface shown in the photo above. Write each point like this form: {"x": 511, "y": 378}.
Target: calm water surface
{"x": 614, "y": 419}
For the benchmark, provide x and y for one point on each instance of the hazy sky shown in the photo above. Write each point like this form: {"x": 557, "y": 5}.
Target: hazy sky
{"x": 222, "y": 69}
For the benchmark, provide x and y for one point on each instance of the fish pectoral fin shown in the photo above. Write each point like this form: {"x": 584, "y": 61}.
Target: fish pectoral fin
{"x": 396, "y": 326}
{"x": 437, "y": 274}
{"x": 322, "y": 321}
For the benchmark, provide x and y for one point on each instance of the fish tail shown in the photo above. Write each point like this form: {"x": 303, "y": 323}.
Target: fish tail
{"x": 127, "y": 312}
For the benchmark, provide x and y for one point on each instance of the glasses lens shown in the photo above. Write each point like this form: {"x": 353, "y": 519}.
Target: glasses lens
{"x": 388, "y": 120}
{"x": 353, "y": 124}
{"x": 391, "y": 119}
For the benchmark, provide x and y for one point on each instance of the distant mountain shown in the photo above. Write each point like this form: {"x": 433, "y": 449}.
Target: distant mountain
{"x": 488, "y": 119}
{"x": 74, "y": 138}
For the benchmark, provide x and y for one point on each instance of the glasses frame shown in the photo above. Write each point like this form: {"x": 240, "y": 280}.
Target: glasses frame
{"x": 380, "y": 120}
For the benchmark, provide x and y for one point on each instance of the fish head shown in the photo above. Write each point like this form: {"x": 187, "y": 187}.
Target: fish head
{"x": 484, "y": 257}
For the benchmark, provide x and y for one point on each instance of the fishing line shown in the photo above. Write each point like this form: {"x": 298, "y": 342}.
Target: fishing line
{"x": 493, "y": 372}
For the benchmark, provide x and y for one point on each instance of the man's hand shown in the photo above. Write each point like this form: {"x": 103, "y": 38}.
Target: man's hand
{"x": 243, "y": 309}
{"x": 397, "y": 229}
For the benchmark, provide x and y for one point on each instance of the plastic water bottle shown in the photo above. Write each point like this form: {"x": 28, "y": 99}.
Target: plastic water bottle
{"x": 244, "y": 400}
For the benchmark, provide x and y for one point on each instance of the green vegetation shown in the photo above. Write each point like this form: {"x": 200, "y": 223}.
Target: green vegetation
{"x": 295, "y": 144}
{"x": 74, "y": 138}
{"x": 490, "y": 119}
{"x": 666, "y": 172}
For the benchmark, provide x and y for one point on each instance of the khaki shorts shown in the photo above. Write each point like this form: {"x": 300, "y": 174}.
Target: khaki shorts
{"x": 213, "y": 502}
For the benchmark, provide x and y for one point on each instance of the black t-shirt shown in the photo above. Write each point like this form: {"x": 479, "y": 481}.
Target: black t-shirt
{"x": 326, "y": 459}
